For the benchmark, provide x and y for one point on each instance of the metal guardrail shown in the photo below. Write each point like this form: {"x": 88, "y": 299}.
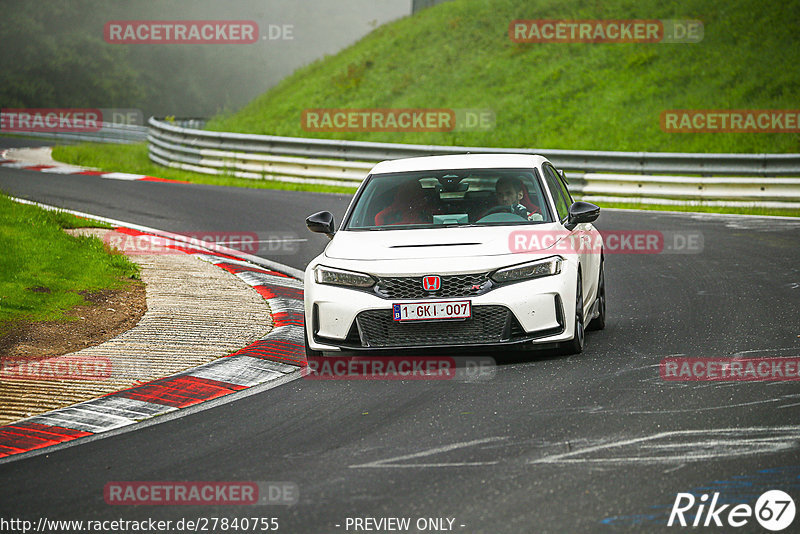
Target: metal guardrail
{"x": 337, "y": 162}
{"x": 575, "y": 160}
{"x": 108, "y": 133}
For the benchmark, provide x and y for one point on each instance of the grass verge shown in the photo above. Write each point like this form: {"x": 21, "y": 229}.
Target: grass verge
{"x": 133, "y": 159}
{"x": 43, "y": 269}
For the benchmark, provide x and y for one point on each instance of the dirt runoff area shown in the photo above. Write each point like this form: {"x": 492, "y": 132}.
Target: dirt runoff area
{"x": 106, "y": 314}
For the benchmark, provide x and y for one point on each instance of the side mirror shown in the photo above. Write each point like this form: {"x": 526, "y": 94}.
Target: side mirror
{"x": 581, "y": 212}
{"x": 321, "y": 222}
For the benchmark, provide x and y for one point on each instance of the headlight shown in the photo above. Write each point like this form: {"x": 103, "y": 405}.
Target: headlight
{"x": 534, "y": 269}
{"x": 339, "y": 277}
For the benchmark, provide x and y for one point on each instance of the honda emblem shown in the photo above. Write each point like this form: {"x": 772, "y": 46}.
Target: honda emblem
{"x": 431, "y": 283}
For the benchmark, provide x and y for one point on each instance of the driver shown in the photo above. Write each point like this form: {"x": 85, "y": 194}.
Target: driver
{"x": 510, "y": 192}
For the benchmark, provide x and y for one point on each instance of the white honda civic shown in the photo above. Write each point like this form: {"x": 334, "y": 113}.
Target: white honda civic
{"x": 457, "y": 251}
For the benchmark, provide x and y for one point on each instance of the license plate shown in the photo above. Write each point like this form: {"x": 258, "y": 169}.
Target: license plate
{"x": 427, "y": 311}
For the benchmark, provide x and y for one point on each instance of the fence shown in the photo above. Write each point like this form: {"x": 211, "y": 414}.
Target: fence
{"x": 757, "y": 179}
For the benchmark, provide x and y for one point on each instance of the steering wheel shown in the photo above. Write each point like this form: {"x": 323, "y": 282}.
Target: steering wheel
{"x": 498, "y": 209}
{"x": 496, "y": 214}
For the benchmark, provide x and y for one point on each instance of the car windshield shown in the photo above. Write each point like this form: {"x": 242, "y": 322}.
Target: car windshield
{"x": 430, "y": 199}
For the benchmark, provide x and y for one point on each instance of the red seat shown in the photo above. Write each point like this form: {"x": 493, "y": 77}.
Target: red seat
{"x": 410, "y": 206}
{"x": 527, "y": 202}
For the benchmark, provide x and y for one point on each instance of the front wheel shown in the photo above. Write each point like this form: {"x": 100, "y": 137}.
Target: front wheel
{"x": 599, "y": 322}
{"x": 310, "y": 353}
{"x": 575, "y": 345}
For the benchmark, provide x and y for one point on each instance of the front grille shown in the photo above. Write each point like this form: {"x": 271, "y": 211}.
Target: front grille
{"x": 488, "y": 324}
{"x": 453, "y": 286}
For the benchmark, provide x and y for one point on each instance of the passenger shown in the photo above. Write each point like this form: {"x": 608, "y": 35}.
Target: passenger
{"x": 411, "y": 205}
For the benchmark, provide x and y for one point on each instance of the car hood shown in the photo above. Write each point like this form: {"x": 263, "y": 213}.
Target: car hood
{"x": 453, "y": 242}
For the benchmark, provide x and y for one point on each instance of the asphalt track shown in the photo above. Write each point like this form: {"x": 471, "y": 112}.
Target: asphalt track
{"x": 591, "y": 443}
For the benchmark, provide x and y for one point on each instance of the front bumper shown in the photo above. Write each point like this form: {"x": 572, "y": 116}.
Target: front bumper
{"x": 538, "y": 311}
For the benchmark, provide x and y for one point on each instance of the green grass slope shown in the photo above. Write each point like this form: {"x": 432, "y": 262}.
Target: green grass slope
{"x": 603, "y": 96}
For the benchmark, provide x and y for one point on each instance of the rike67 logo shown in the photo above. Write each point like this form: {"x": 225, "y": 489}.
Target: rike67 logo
{"x": 774, "y": 511}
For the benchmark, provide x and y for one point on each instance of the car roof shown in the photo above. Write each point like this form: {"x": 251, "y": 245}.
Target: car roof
{"x": 459, "y": 161}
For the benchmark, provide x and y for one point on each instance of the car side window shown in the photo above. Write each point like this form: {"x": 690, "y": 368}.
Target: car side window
{"x": 564, "y": 188}
{"x": 555, "y": 185}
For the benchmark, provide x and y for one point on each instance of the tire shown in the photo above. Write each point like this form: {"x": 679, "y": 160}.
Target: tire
{"x": 310, "y": 353}
{"x": 599, "y": 322}
{"x": 575, "y": 345}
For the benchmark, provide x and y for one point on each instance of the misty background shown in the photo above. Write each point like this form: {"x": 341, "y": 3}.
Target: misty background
{"x": 54, "y": 53}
